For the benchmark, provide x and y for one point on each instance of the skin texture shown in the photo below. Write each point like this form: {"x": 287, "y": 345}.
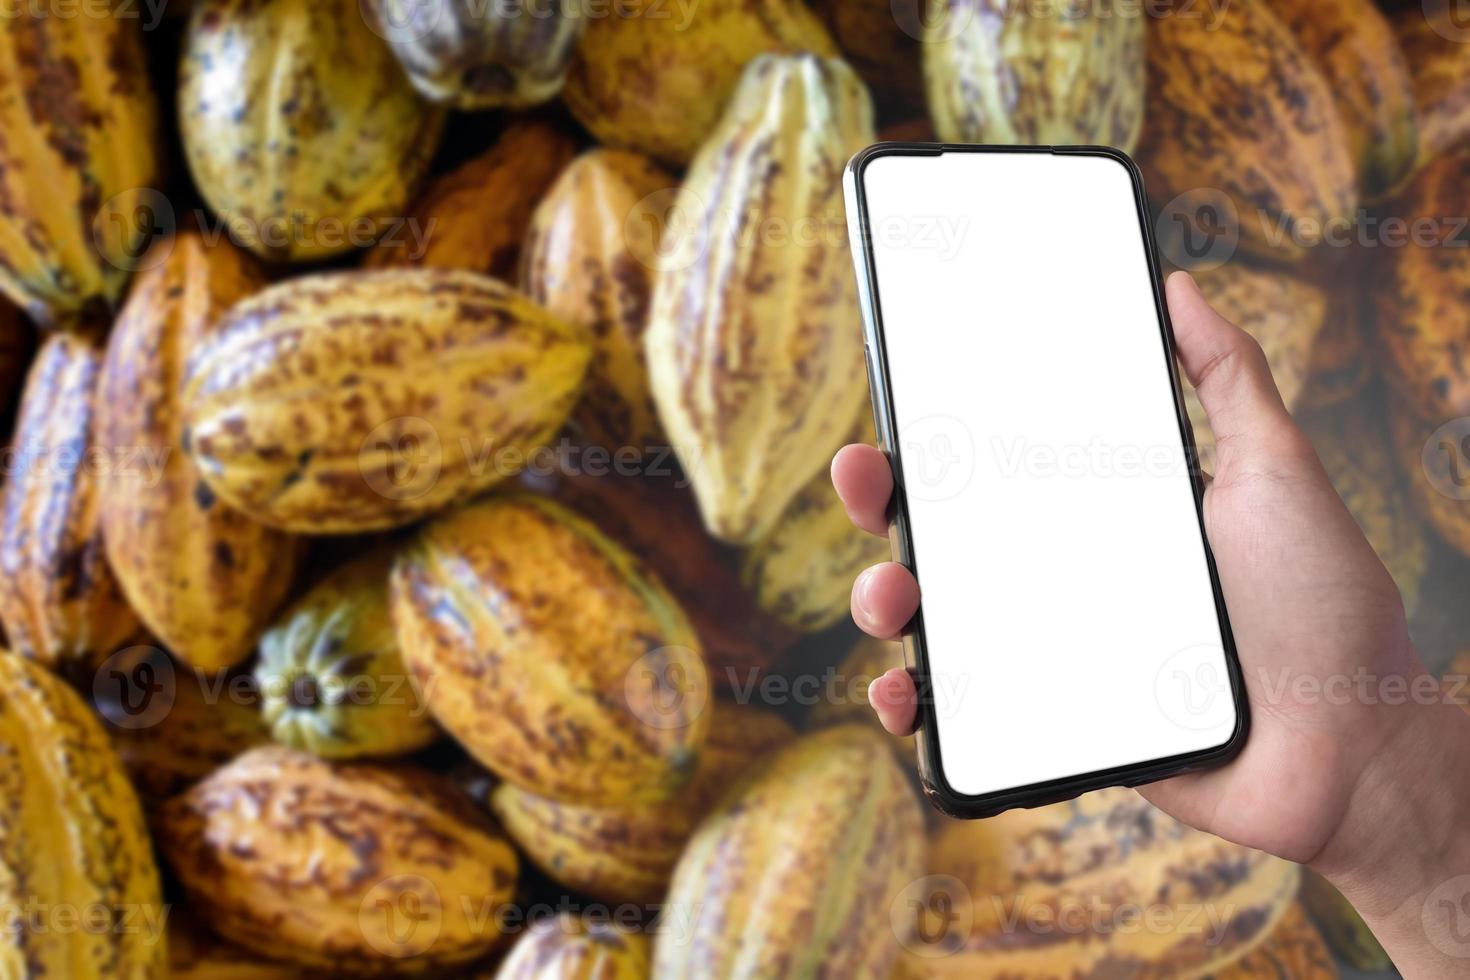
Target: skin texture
{"x": 204, "y": 578}
{"x": 1351, "y": 789}
{"x": 71, "y": 833}
{"x": 755, "y": 329}
{"x": 584, "y": 264}
{"x": 78, "y": 166}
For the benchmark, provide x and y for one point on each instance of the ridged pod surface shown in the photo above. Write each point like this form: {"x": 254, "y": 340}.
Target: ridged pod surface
{"x": 71, "y": 836}
{"x": 300, "y": 128}
{"x": 1432, "y": 36}
{"x": 589, "y": 260}
{"x": 476, "y": 216}
{"x": 795, "y": 872}
{"x": 551, "y": 654}
{"x": 1282, "y": 312}
{"x": 999, "y": 71}
{"x": 204, "y": 578}
{"x": 1352, "y": 441}
{"x": 1091, "y": 860}
{"x": 1355, "y": 47}
{"x": 79, "y": 168}
{"x": 332, "y": 678}
{"x": 622, "y": 854}
{"x": 1422, "y": 329}
{"x": 753, "y": 343}
{"x": 1239, "y": 108}
{"x": 59, "y": 600}
{"x": 477, "y": 56}
{"x": 566, "y": 948}
{"x": 802, "y": 571}
{"x": 319, "y": 863}
{"x": 347, "y": 402}
{"x": 657, "y": 84}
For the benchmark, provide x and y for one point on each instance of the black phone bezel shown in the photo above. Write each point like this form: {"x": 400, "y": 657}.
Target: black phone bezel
{"x": 936, "y": 786}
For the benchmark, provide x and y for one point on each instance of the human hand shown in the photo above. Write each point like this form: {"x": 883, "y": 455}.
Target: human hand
{"x": 1320, "y": 777}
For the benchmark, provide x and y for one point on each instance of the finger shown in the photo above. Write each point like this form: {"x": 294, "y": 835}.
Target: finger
{"x": 895, "y": 698}
{"x": 864, "y": 481}
{"x": 884, "y": 599}
{"x": 1230, "y": 374}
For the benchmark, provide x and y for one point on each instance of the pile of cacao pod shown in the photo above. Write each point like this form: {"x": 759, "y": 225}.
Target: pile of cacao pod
{"x": 416, "y": 551}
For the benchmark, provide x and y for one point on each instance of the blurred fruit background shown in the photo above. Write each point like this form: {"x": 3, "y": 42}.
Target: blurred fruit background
{"x": 416, "y": 555}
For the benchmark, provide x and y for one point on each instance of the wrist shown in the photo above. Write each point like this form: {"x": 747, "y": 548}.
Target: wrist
{"x": 1401, "y": 849}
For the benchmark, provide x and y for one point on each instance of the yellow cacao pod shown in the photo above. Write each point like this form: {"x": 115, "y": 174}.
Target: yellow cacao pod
{"x": 1353, "y": 443}
{"x": 59, "y": 601}
{"x": 1295, "y": 951}
{"x": 802, "y": 571}
{"x": 1282, "y": 312}
{"x": 79, "y": 173}
{"x": 204, "y": 578}
{"x": 1068, "y": 891}
{"x": 301, "y": 130}
{"x": 1432, "y": 36}
{"x": 754, "y": 341}
{"x": 688, "y": 64}
{"x": 72, "y": 837}
{"x": 170, "y": 726}
{"x": 476, "y": 216}
{"x": 621, "y": 854}
{"x": 1003, "y": 71}
{"x": 1432, "y": 453}
{"x": 506, "y": 55}
{"x": 589, "y": 261}
{"x": 551, "y": 654}
{"x": 828, "y": 823}
{"x": 1354, "y": 47}
{"x": 1421, "y": 327}
{"x": 1236, "y": 107}
{"x": 880, "y": 39}
{"x": 332, "y": 678}
{"x": 567, "y": 948}
{"x": 357, "y": 870}
{"x": 348, "y": 402}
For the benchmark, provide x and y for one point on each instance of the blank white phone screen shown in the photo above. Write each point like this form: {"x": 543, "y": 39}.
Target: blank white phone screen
{"x": 1067, "y": 607}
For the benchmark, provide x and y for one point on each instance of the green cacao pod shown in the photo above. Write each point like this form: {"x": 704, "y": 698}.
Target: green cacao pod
{"x": 583, "y": 263}
{"x": 828, "y": 823}
{"x": 622, "y": 854}
{"x": 688, "y": 64}
{"x": 79, "y": 169}
{"x": 327, "y": 404}
{"x": 331, "y": 677}
{"x": 551, "y": 654}
{"x": 300, "y": 128}
{"x": 1002, "y": 71}
{"x": 470, "y": 56}
{"x": 59, "y": 600}
{"x": 204, "y": 578}
{"x": 754, "y": 346}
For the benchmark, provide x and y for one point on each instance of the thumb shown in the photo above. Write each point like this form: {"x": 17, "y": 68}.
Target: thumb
{"x": 1230, "y": 374}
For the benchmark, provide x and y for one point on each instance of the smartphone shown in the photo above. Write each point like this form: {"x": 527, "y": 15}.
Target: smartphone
{"x": 1071, "y": 634}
